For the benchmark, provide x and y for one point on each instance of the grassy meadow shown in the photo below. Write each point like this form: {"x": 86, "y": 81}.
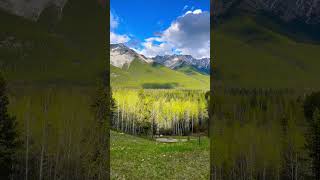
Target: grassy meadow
{"x": 135, "y": 157}
{"x": 141, "y": 116}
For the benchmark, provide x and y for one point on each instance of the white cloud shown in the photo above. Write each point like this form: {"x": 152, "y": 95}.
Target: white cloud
{"x": 197, "y": 11}
{"x": 189, "y": 34}
{"x": 114, "y": 37}
{"x": 150, "y": 49}
{"x": 113, "y": 21}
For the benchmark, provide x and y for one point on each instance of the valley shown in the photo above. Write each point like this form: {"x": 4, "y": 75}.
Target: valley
{"x": 153, "y": 100}
{"x": 132, "y": 70}
{"x": 265, "y": 71}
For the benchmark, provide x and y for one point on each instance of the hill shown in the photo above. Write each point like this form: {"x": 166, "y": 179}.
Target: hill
{"x": 249, "y": 53}
{"x": 156, "y": 76}
{"x": 54, "y": 50}
{"x": 130, "y": 69}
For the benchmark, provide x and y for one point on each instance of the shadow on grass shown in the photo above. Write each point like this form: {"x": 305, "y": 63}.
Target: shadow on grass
{"x": 160, "y": 85}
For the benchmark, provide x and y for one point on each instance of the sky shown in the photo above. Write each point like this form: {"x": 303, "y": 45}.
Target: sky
{"x": 162, "y": 27}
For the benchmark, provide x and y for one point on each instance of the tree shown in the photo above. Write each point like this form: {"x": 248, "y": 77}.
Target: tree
{"x": 101, "y": 109}
{"x": 8, "y": 134}
{"x": 311, "y": 102}
{"x": 312, "y": 114}
{"x": 313, "y": 144}
{"x": 113, "y": 107}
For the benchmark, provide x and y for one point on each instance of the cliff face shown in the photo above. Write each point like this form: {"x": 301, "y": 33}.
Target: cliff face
{"x": 307, "y": 11}
{"x": 30, "y": 9}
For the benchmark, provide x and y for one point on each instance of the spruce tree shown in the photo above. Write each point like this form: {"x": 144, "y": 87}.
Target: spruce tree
{"x": 8, "y": 134}
{"x": 312, "y": 114}
{"x": 314, "y": 144}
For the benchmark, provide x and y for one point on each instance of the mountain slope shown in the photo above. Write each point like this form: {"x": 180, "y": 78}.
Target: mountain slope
{"x": 54, "y": 52}
{"x": 177, "y": 61}
{"x": 307, "y": 11}
{"x": 130, "y": 69}
{"x": 249, "y": 54}
{"x": 155, "y": 76}
{"x": 299, "y": 19}
{"x": 121, "y": 55}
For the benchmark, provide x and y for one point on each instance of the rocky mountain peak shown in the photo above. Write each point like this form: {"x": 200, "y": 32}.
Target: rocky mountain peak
{"x": 30, "y": 9}
{"x": 307, "y": 11}
{"x": 175, "y": 61}
{"x": 121, "y": 55}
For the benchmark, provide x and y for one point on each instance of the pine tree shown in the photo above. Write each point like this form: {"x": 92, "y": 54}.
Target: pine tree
{"x": 113, "y": 107}
{"x": 312, "y": 114}
{"x": 314, "y": 144}
{"x": 8, "y": 134}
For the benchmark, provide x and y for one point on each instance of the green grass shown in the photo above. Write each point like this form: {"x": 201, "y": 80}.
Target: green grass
{"x": 139, "y": 158}
{"x": 248, "y": 54}
{"x": 140, "y": 75}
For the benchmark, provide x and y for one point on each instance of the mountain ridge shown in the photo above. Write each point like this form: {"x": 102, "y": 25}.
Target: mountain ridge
{"x": 38, "y": 53}
{"x": 31, "y": 9}
{"x": 307, "y": 11}
{"x": 121, "y": 55}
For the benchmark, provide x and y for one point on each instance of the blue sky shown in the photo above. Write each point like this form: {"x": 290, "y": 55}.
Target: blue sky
{"x": 159, "y": 27}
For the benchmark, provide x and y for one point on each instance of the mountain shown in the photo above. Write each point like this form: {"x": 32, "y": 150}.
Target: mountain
{"x": 297, "y": 19}
{"x": 307, "y": 11}
{"x": 156, "y": 76}
{"x": 48, "y": 50}
{"x": 30, "y": 9}
{"x": 132, "y": 70}
{"x": 177, "y": 61}
{"x": 253, "y": 53}
{"x": 121, "y": 55}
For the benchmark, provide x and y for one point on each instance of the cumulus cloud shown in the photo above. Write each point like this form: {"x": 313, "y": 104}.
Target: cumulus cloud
{"x": 189, "y": 34}
{"x": 114, "y": 37}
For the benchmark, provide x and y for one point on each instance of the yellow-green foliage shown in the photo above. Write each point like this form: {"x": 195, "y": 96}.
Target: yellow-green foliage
{"x": 60, "y": 123}
{"x": 166, "y": 107}
{"x": 257, "y": 134}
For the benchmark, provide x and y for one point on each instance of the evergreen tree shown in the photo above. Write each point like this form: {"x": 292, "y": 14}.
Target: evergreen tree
{"x": 113, "y": 107}
{"x": 8, "y": 134}
{"x": 313, "y": 144}
{"x": 310, "y": 104}
{"x": 312, "y": 114}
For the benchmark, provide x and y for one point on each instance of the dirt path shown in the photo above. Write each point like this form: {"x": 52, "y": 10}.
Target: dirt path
{"x": 170, "y": 140}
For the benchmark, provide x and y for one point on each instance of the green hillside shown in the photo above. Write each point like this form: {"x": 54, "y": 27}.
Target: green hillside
{"x": 68, "y": 51}
{"x": 249, "y": 54}
{"x": 156, "y": 76}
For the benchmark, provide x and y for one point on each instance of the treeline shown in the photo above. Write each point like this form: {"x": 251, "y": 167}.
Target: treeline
{"x": 263, "y": 134}
{"x": 53, "y": 133}
{"x": 166, "y": 112}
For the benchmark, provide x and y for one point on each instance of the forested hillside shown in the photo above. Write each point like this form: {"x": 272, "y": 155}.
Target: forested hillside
{"x": 55, "y": 67}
